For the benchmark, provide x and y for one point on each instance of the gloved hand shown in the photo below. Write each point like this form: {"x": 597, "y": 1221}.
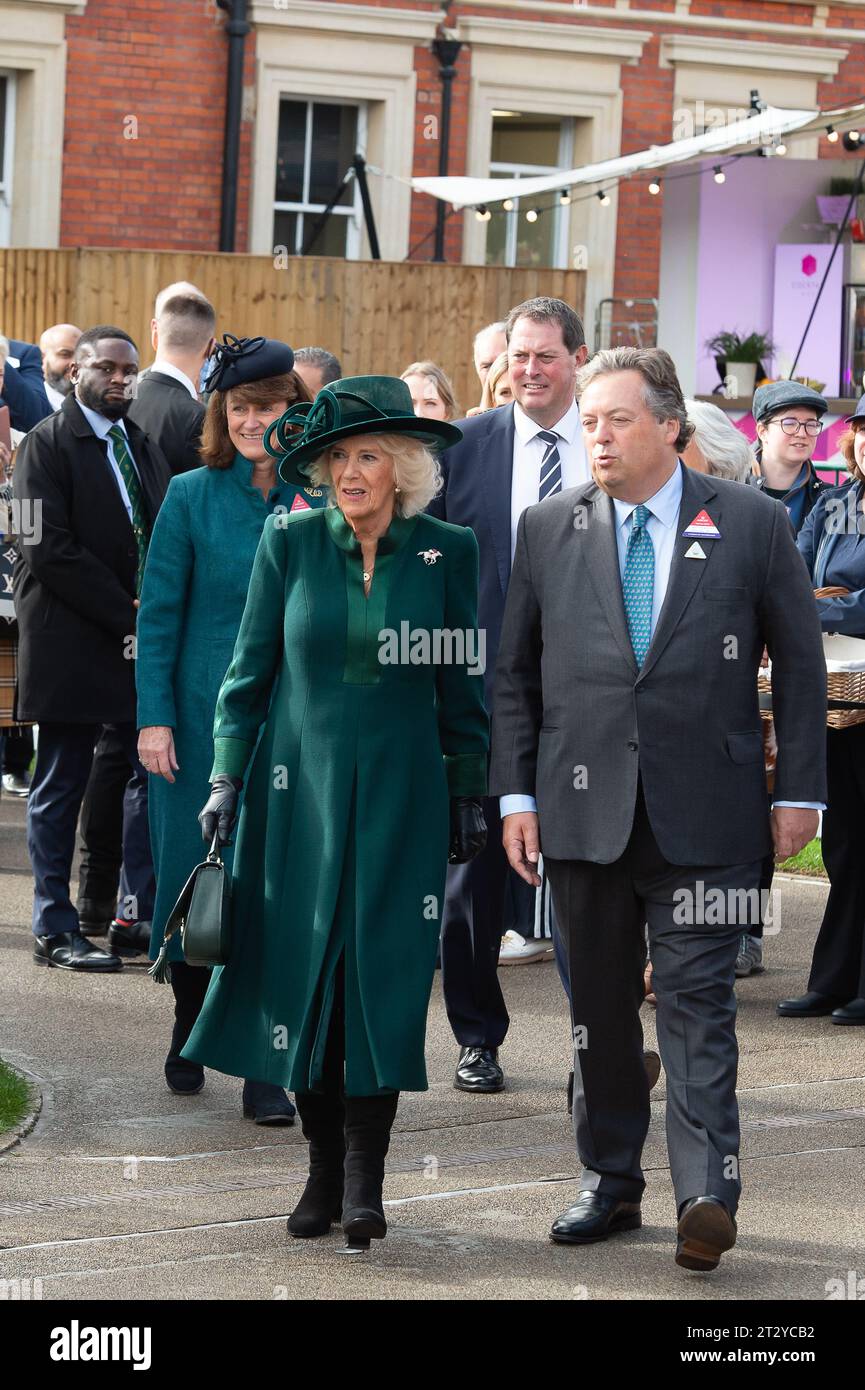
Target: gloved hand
{"x": 220, "y": 810}
{"x": 468, "y": 829}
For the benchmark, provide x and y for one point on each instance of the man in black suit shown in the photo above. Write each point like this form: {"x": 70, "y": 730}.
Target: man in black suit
{"x": 168, "y": 409}
{"x": 167, "y": 406}
{"x": 627, "y": 747}
{"x": 508, "y": 459}
{"x": 93, "y": 483}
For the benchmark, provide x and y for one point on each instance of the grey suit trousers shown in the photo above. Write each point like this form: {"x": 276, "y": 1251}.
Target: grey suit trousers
{"x": 602, "y": 910}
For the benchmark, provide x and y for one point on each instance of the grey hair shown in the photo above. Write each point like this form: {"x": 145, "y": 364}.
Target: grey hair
{"x": 661, "y": 390}
{"x": 4, "y": 348}
{"x": 322, "y": 360}
{"x": 415, "y": 468}
{"x": 725, "y": 448}
{"x": 498, "y": 327}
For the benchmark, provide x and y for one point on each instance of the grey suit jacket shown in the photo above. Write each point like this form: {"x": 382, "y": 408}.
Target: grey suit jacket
{"x": 575, "y": 722}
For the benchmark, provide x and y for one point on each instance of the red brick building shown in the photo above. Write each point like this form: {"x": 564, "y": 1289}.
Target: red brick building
{"x": 112, "y": 117}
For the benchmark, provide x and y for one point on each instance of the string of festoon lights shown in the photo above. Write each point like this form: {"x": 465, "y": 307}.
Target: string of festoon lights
{"x": 852, "y": 141}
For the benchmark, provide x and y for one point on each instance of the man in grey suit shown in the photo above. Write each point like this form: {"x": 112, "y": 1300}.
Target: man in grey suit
{"x": 627, "y": 747}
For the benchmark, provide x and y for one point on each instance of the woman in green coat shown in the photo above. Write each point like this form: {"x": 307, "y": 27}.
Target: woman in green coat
{"x": 354, "y": 708}
{"x": 195, "y": 584}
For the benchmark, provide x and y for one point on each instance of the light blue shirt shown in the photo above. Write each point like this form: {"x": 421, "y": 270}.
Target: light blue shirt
{"x": 100, "y": 425}
{"x": 663, "y": 509}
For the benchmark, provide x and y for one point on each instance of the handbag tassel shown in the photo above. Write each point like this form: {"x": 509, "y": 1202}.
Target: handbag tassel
{"x": 160, "y": 970}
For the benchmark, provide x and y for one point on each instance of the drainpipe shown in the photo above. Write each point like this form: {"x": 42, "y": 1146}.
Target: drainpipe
{"x": 236, "y": 28}
{"x": 446, "y": 51}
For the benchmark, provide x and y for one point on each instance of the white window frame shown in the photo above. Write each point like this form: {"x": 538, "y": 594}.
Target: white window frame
{"x": 8, "y": 159}
{"x": 560, "y": 214}
{"x": 304, "y": 208}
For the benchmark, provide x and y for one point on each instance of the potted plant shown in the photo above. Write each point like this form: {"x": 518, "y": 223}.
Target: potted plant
{"x": 740, "y": 359}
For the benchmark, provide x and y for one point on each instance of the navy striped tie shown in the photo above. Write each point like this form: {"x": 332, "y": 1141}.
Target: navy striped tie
{"x": 551, "y": 465}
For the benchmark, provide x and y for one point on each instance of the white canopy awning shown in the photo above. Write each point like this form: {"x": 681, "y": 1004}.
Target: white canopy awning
{"x": 754, "y": 131}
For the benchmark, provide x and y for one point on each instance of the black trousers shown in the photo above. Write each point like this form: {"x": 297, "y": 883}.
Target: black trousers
{"x": 602, "y": 911}
{"x": 63, "y": 763}
{"x": 18, "y": 750}
{"x": 838, "y": 966}
{"x": 100, "y": 825}
{"x": 472, "y": 926}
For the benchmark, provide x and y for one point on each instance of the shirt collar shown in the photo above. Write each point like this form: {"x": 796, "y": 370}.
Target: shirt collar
{"x": 100, "y": 424}
{"x": 169, "y": 369}
{"x": 568, "y": 427}
{"x": 664, "y": 505}
{"x": 55, "y": 398}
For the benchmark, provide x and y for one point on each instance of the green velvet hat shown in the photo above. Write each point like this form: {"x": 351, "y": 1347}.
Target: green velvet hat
{"x": 353, "y": 405}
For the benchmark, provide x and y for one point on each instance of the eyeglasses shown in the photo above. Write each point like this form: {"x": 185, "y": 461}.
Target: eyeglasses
{"x": 791, "y": 426}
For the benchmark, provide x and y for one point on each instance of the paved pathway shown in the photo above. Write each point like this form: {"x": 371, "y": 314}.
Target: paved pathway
{"x": 123, "y": 1185}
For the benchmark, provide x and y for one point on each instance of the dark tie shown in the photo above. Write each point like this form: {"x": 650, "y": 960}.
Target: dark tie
{"x": 136, "y": 500}
{"x": 551, "y": 465}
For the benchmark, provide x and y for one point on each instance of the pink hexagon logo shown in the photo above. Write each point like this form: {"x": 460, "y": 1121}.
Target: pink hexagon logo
{"x": 809, "y": 265}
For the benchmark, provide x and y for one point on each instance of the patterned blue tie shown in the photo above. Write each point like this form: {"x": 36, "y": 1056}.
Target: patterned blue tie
{"x": 551, "y": 465}
{"x": 638, "y": 583}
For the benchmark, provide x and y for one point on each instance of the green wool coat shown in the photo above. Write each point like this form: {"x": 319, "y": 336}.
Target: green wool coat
{"x": 195, "y": 584}
{"x": 343, "y": 836}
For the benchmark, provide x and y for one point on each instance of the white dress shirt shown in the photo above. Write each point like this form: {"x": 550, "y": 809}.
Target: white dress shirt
{"x": 55, "y": 399}
{"x": 169, "y": 369}
{"x": 100, "y": 425}
{"x": 528, "y": 453}
{"x": 662, "y": 527}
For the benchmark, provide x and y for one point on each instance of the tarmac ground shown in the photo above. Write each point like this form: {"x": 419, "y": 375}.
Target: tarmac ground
{"x": 123, "y": 1185}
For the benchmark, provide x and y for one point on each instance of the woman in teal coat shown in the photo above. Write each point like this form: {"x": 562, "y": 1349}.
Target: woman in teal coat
{"x": 197, "y": 575}
{"x": 359, "y": 655}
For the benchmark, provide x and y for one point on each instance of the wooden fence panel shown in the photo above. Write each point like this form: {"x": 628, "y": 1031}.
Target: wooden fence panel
{"x": 377, "y": 316}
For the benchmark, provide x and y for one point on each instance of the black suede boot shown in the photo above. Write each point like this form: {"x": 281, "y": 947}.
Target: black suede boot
{"x": 368, "y": 1121}
{"x": 322, "y": 1119}
{"x": 189, "y": 985}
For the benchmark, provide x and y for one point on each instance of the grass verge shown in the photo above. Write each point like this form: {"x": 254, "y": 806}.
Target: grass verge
{"x": 808, "y": 861}
{"x": 14, "y": 1098}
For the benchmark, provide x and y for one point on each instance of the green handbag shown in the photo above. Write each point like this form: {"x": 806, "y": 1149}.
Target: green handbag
{"x": 202, "y": 915}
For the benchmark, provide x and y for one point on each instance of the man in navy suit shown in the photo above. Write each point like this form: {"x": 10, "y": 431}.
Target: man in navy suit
{"x": 508, "y": 459}
{"x": 22, "y": 387}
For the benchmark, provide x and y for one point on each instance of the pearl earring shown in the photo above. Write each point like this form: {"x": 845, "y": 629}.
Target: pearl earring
{"x": 397, "y": 489}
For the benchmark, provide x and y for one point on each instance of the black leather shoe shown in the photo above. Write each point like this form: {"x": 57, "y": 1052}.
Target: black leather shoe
{"x": 95, "y": 915}
{"x": 651, "y": 1062}
{"x": 267, "y": 1104}
{"x": 478, "y": 1070}
{"x": 854, "y": 1012}
{"x": 706, "y": 1229}
{"x": 810, "y": 1005}
{"x": 70, "y": 950}
{"x": 593, "y": 1217}
{"x": 129, "y": 938}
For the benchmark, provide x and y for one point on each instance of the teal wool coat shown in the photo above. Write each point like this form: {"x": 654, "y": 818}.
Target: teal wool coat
{"x": 195, "y": 584}
{"x": 343, "y": 837}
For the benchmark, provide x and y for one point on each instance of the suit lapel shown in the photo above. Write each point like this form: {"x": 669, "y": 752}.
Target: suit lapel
{"x": 497, "y": 466}
{"x": 602, "y": 560}
{"x": 685, "y": 575}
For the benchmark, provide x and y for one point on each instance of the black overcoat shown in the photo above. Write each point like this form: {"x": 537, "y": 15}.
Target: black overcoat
{"x": 74, "y": 574}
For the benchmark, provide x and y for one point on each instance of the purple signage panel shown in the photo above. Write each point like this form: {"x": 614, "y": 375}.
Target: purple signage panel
{"x": 799, "y": 270}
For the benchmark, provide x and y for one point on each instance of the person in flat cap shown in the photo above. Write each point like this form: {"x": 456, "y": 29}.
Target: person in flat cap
{"x": 832, "y": 543}
{"x": 788, "y": 417}
{"x": 195, "y": 585}
{"x": 353, "y": 714}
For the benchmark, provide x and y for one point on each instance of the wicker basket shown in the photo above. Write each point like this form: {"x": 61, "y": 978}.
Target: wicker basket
{"x": 842, "y": 687}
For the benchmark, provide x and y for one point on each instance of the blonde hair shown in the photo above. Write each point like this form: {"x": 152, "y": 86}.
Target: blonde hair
{"x": 415, "y": 469}
{"x": 494, "y": 376}
{"x": 433, "y": 372}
